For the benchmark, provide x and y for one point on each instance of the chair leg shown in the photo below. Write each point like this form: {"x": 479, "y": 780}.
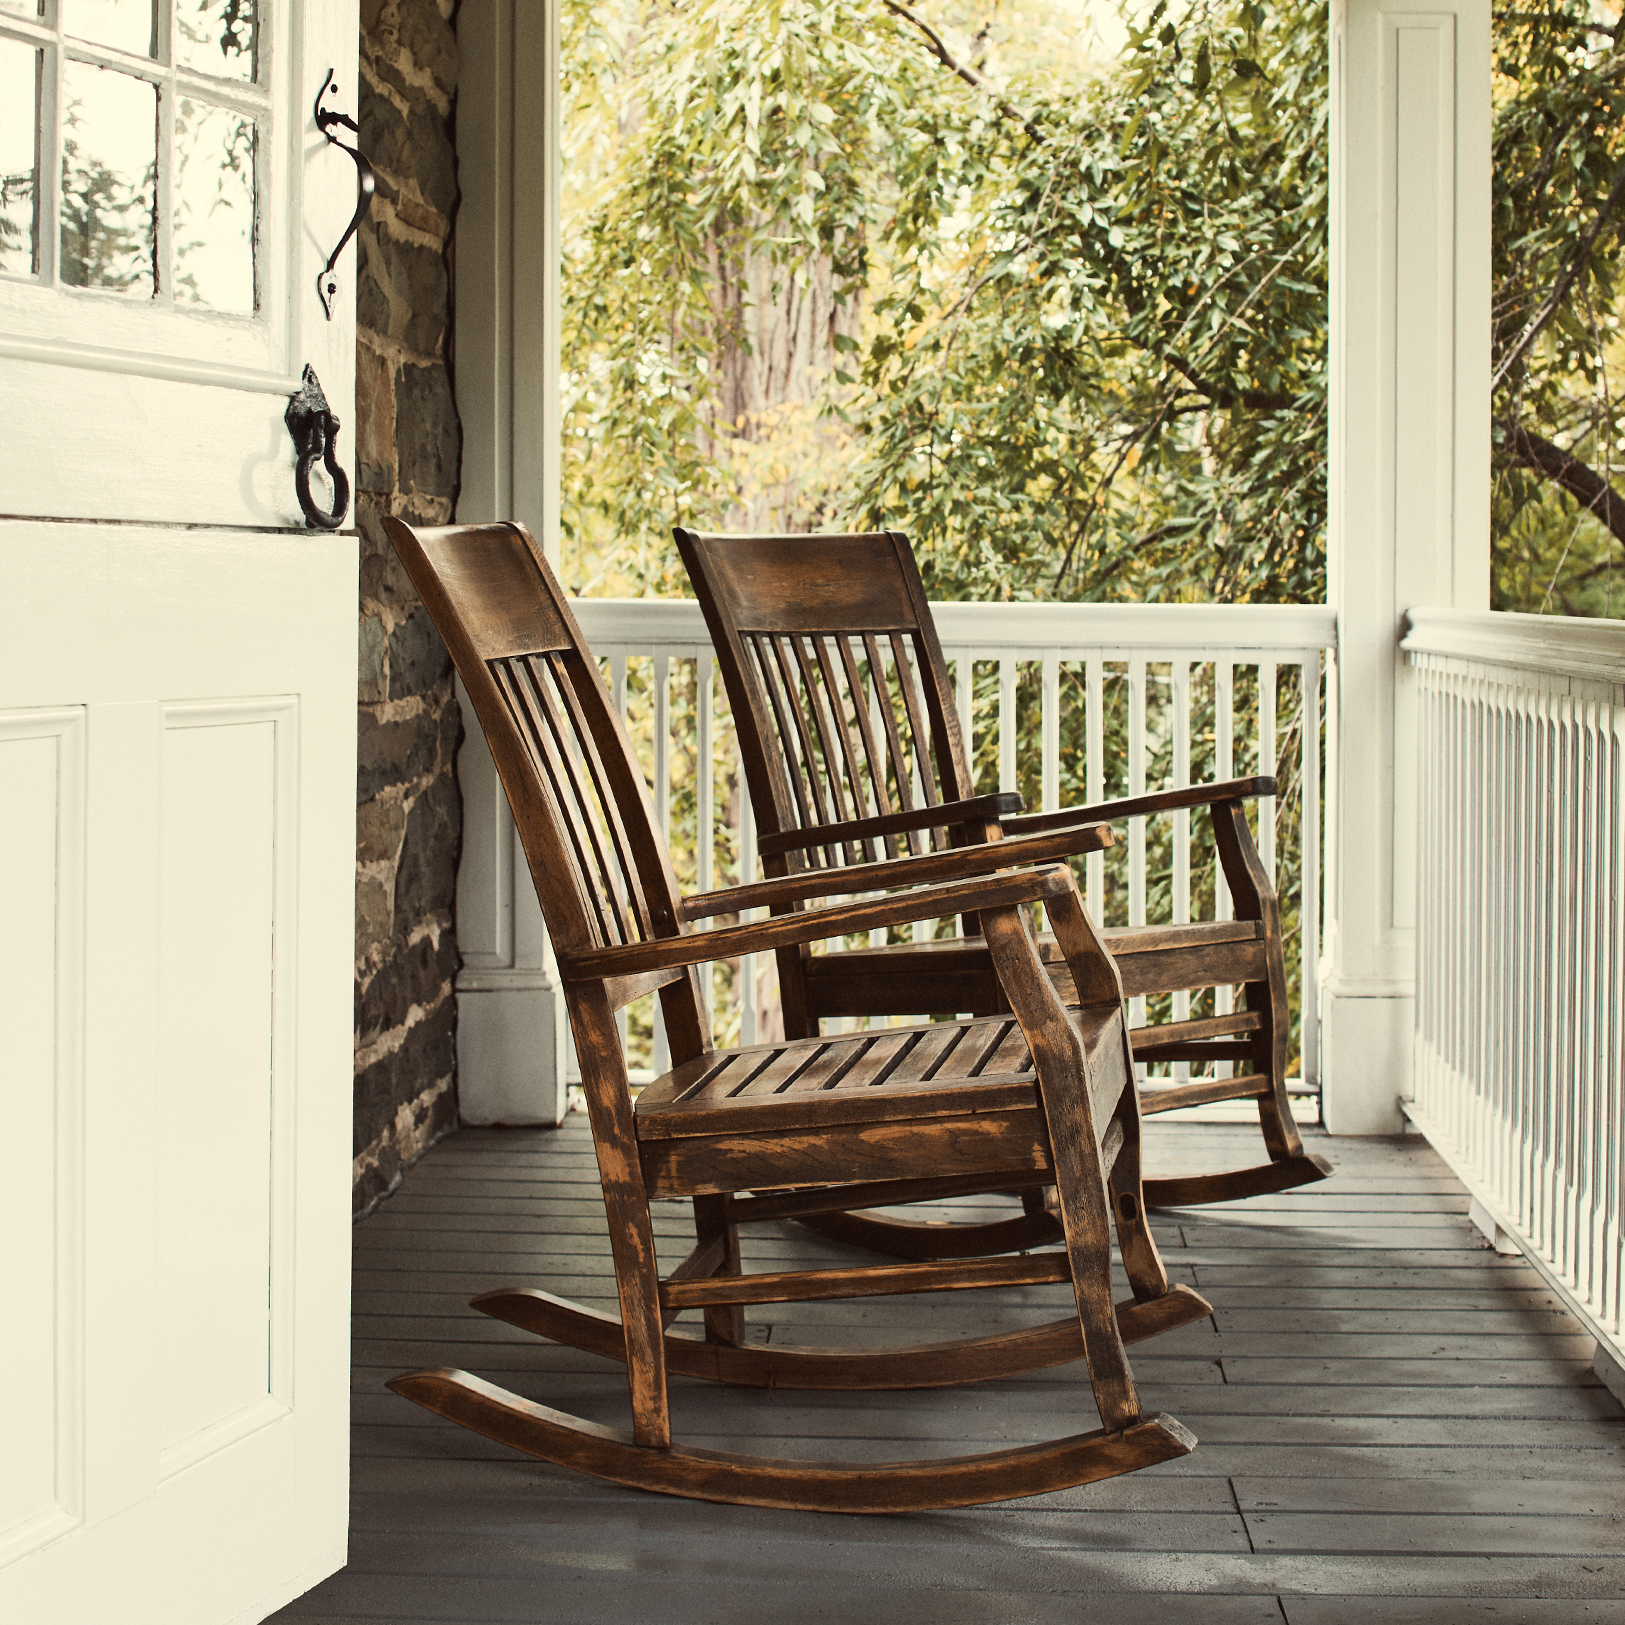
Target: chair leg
{"x": 1063, "y": 1086}
{"x": 632, "y": 1242}
{"x": 1142, "y": 1263}
{"x": 1280, "y": 1132}
{"x": 724, "y": 1323}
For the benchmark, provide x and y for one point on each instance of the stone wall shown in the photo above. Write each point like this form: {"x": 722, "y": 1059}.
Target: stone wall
{"x": 408, "y": 814}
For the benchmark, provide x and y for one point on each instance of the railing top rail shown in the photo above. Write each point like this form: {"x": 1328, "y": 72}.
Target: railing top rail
{"x": 1566, "y": 646}
{"x": 1272, "y": 629}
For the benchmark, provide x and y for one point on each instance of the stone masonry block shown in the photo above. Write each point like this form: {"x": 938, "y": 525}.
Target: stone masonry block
{"x": 428, "y": 437}
{"x": 417, "y": 658}
{"x": 419, "y": 974}
{"x": 426, "y": 876}
{"x": 391, "y": 753}
{"x": 371, "y": 687}
{"x": 428, "y": 1051}
{"x": 380, "y": 826}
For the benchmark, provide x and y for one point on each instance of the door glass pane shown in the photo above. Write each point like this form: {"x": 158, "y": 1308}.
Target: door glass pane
{"x": 214, "y": 206}
{"x": 28, "y": 8}
{"x": 109, "y": 179}
{"x": 19, "y": 157}
{"x": 126, "y": 25}
{"x": 217, "y": 36}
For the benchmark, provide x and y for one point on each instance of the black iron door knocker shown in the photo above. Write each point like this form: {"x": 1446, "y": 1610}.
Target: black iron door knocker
{"x": 315, "y": 434}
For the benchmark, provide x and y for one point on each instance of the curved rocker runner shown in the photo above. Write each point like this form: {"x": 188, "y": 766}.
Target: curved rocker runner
{"x": 1038, "y": 1095}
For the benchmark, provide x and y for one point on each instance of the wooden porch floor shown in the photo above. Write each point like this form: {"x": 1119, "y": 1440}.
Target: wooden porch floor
{"x": 1396, "y": 1426}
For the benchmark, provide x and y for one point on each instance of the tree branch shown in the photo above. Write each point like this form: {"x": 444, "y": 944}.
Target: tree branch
{"x": 969, "y": 75}
{"x": 1560, "y": 289}
{"x": 1594, "y": 494}
{"x": 1256, "y": 400}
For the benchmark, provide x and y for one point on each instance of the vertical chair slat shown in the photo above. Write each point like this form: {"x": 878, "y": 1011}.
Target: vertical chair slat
{"x": 760, "y": 647}
{"x": 820, "y": 703}
{"x": 704, "y": 803}
{"x": 808, "y": 758}
{"x": 848, "y": 755}
{"x": 908, "y": 682}
{"x": 901, "y": 775}
{"x": 873, "y": 760}
{"x": 603, "y": 906}
{"x": 623, "y": 875}
{"x": 619, "y": 871}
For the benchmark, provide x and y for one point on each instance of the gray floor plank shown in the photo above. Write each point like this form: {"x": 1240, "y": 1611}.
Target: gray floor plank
{"x": 1398, "y": 1427}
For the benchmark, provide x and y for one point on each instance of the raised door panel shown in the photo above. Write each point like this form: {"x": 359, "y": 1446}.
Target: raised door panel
{"x": 41, "y": 1264}
{"x": 180, "y": 1167}
{"x": 226, "y": 922}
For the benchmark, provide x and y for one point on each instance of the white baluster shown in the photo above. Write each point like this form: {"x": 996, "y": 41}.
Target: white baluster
{"x": 1095, "y": 777}
{"x": 1309, "y": 869}
{"x": 1136, "y": 833}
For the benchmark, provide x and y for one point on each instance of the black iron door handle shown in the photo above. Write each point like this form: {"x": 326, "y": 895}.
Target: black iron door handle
{"x": 327, "y": 121}
{"x": 315, "y": 434}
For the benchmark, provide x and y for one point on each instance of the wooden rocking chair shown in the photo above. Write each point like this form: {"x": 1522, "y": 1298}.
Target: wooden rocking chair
{"x": 852, "y": 751}
{"x": 1014, "y": 1102}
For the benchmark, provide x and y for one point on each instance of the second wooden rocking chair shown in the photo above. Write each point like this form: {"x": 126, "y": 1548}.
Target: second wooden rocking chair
{"x": 852, "y": 750}
{"x": 1038, "y": 1096}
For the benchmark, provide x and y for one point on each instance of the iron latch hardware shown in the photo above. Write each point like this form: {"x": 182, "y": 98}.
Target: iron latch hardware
{"x": 315, "y": 434}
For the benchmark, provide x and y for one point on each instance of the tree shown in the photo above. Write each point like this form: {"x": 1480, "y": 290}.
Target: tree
{"x": 1109, "y": 383}
{"x": 1559, "y": 515}
{"x": 724, "y": 156}
{"x": 1064, "y": 322}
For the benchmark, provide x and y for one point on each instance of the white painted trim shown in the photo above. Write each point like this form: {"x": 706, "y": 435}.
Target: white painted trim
{"x": 1587, "y": 650}
{"x": 229, "y": 1430}
{"x": 1408, "y": 483}
{"x": 1280, "y": 630}
{"x": 142, "y": 364}
{"x": 507, "y": 256}
{"x": 67, "y": 726}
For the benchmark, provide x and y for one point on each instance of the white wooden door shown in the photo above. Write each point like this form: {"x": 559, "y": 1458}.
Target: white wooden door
{"x": 177, "y": 766}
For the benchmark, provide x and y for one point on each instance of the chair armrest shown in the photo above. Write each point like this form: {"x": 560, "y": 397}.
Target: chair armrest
{"x": 1191, "y": 795}
{"x": 927, "y": 868}
{"x": 813, "y": 925}
{"x": 977, "y": 810}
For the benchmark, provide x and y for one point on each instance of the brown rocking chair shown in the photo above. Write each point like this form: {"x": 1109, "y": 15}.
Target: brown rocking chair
{"x": 852, "y": 751}
{"x": 1039, "y": 1096}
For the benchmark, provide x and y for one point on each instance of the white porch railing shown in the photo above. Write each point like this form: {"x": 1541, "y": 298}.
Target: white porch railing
{"x": 1520, "y": 1045}
{"x": 1068, "y": 704}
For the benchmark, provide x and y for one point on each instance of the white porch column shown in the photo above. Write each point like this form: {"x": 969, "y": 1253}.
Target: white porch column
{"x": 510, "y": 1009}
{"x": 1409, "y": 449}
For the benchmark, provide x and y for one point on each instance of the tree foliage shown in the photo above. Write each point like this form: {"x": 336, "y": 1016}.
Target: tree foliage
{"x": 711, "y": 141}
{"x": 1110, "y": 382}
{"x": 1559, "y": 432}
{"x": 1063, "y": 318}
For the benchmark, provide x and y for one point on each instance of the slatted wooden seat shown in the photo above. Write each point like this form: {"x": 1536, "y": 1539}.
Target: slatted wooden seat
{"x": 853, "y": 753}
{"x": 1036, "y": 1096}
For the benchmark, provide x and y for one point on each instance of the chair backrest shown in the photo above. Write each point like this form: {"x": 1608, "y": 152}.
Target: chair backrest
{"x": 839, "y": 689}
{"x": 601, "y": 869}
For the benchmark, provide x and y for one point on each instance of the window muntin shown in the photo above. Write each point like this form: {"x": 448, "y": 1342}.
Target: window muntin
{"x": 147, "y": 182}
